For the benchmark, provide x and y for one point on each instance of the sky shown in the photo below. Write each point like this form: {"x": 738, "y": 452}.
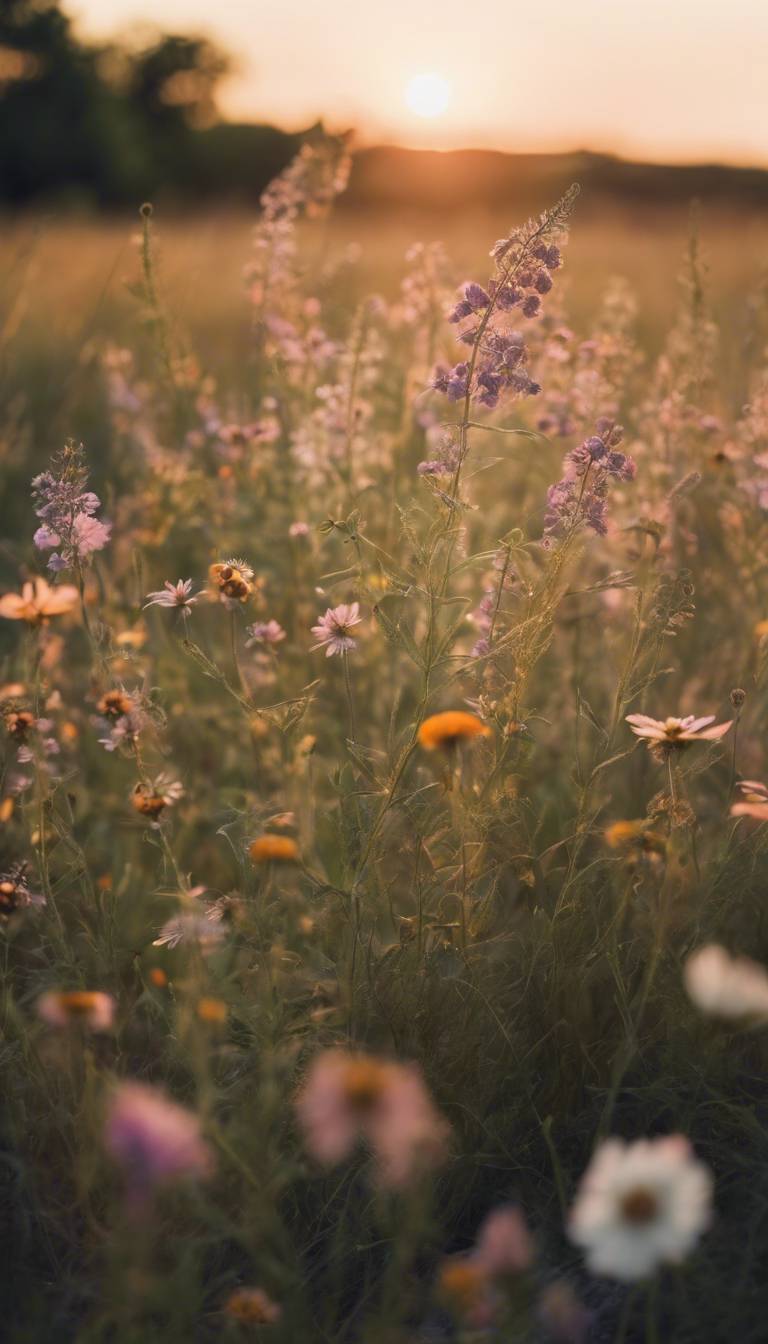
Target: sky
{"x": 670, "y": 80}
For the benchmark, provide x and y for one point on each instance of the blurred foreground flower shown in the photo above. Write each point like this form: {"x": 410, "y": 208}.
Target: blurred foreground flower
{"x": 153, "y": 1140}
{"x": 471, "y": 1284}
{"x": 38, "y": 601}
{"x": 636, "y": 842}
{"x": 640, "y": 1205}
{"x": 754, "y": 800}
{"x": 177, "y": 595}
{"x": 450, "y": 728}
{"x": 86, "y": 1007}
{"x": 273, "y": 849}
{"x": 351, "y": 1097}
{"x": 726, "y": 986}
{"x": 332, "y": 629}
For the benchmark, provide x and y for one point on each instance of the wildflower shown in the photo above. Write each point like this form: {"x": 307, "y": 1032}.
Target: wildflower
{"x": 581, "y": 496}
{"x": 673, "y": 734}
{"x": 351, "y": 1097}
{"x": 88, "y": 1007}
{"x": 252, "y": 1306}
{"x": 38, "y": 601}
{"x": 212, "y": 1010}
{"x": 504, "y": 1243}
{"x": 205, "y": 929}
{"x": 563, "y": 1316}
{"x": 264, "y": 632}
{"x": 152, "y": 797}
{"x": 465, "y": 1287}
{"x": 67, "y": 508}
{"x": 234, "y": 580}
{"x": 640, "y": 1205}
{"x": 726, "y": 986}
{"x": 114, "y": 704}
{"x": 153, "y": 1140}
{"x": 15, "y": 894}
{"x": 637, "y": 842}
{"x": 754, "y": 800}
{"x": 450, "y": 728}
{"x": 298, "y": 529}
{"x": 18, "y": 723}
{"x": 332, "y": 629}
{"x": 178, "y": 596}
{"x": 273, "y": 849}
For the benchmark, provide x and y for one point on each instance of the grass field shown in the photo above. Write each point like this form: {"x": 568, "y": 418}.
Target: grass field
{"x": 344, "y": 917}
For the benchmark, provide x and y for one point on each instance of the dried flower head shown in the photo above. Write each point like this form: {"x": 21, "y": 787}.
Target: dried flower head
{"x": 252, "y": 1306}
{"x": 233, "y": 579}
{"x": 151, "y": 798}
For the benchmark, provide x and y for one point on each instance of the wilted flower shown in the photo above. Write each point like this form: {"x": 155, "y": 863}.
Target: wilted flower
{"x": 153, "y": 1140}
{"x": 86, "y": 1007}
{"x": 38, "y": 601}
{"x": 351, "y": 1097}
{"x": 450, "y": 728}
{"x": 273, "y": 849}
{"x": 640, "y": 1205}
{"x": 332, "y": 629}
{"x": 177, "y": 595}
{"x": 673, "y": 734}
{"x": 205, "y": 929}
{"x": 252, "y": 1306}
{"x": 726, "y": 986}
{"x": 637, "y": 842}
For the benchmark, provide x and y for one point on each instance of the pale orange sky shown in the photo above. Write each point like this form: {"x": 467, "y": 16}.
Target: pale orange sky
{"x": 685, "y": 79}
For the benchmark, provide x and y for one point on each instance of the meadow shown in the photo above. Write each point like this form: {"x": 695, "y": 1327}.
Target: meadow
{"x": 383, "y": 668}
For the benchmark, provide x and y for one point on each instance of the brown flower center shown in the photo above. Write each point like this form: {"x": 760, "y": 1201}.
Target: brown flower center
{"x": 639, "y": 1206}
{"x": 363, "y": 1084}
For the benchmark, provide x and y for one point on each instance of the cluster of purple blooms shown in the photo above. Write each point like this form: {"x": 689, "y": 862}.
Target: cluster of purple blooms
{"x": 582, "y": 494}
{"x": 66, "y": 509}
{"x": 500, "y": 363}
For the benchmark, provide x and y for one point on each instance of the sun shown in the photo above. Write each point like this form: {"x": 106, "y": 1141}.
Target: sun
{"x": 428, "y": 94}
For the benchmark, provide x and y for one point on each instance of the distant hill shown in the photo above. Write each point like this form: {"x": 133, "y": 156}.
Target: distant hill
{"x": 388, "y": 177}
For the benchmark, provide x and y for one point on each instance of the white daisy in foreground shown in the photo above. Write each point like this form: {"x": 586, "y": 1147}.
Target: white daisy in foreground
{"x": 726, "y": 986}
{"x": 641, "y": 1205}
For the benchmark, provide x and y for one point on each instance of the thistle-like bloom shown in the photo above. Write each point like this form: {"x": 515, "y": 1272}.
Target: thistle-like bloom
{"x": 38, "y": 601}
{"x": 352, "y": 1097}
{"x": 450, "y": 728}
{"x": 15, "y": 894}
{"x": 177, "y": 595}
{"x": 264, "y": 632}
{"x": 673, "y": 734}
{"x": 273, "y": 849}
{"x": 332, "y": 629}
{"x": 152, "y": 798}
{"x": 726, "y": 986}
{"x": 754, "y": 800}
{"x": 233, "y": 580}
{"x": 153, "y": 1140}
{"x": 641, "y": 1205}
{"x": 77, "y": 1007}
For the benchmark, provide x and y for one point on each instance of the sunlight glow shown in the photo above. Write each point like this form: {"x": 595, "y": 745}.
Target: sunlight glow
{"x": 428, "y": 95}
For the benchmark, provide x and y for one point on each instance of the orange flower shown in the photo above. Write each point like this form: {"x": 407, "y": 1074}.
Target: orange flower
{"x": 274, "y": 849}
{"x": 252, "y": 1306}
{"x": 61, "y": 1008}
{"x": 212, "y": 1010}
{"x": 38, "y": 601}
{"x": 450, "y": 728}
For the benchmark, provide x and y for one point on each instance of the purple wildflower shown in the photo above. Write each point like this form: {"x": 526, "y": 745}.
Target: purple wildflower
{"x": 582, "y": 494}
{"x": 332, "y": 629}
{"x": 264, "y": 632}
{"x": 154, "y": 1141}
{"x": 177, "y": 595}
{"x": 67, "y": 510}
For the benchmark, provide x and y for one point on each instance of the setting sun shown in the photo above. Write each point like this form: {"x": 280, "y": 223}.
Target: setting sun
{"x": 428, "y": 95}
